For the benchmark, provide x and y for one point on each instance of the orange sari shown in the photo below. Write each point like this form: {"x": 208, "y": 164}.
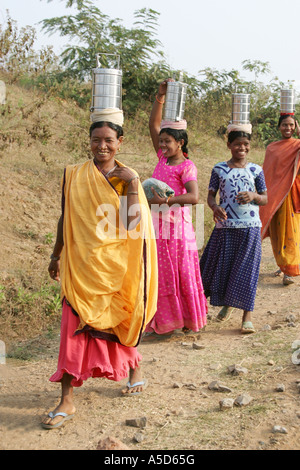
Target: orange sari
{"x": 281, "y": 216}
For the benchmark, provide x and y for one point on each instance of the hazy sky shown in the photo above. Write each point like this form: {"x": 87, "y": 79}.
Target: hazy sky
{"x": 196, "y": 34}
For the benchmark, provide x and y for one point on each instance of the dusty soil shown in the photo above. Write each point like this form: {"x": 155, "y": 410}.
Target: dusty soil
{"x": 181, "y": 411}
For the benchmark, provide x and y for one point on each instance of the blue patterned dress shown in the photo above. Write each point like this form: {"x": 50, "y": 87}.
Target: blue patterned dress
{"x": 231, "y": 260}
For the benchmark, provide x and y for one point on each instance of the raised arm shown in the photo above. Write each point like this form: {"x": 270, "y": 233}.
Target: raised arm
{"x": 156, "y": 113}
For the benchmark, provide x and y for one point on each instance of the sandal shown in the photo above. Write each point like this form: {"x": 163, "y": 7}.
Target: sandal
{"x": 225, "y": 313}
{"x": 247, "y": 327}
{"x": 189, "y": 332}
{"x": 153, "y": 336}
{"x": 278, "y": 273}
{"x": 287, "y": 280}
{"x": 51, "y": 415}
{"x": 143, "y": 383}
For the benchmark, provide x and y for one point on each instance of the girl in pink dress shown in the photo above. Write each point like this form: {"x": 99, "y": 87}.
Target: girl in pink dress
{"x": 181, "y": 300}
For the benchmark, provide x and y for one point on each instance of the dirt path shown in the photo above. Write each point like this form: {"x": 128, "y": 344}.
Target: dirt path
{"x": 181, "y": 411}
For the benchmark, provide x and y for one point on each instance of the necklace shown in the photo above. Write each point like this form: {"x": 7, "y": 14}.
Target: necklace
{"x": 110, "y": 170}
{"x": 236, "y": 166}
{"x": 105, "y": 174}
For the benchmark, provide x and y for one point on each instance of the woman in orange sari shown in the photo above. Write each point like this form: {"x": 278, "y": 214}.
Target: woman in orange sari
{"x": 281, "y": 216}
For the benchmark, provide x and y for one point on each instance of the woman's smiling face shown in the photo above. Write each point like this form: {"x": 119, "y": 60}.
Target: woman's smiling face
{"x": 287, "y": 127}
{"x": 168, "y": 145}
{"x": 239, "y": 148}
{"x": 105, "y": 144}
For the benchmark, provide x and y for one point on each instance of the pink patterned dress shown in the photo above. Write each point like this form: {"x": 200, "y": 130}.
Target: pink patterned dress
{"x": 181, "y": 299}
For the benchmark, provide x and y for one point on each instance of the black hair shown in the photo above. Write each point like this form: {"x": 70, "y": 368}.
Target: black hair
{"x": 284, "y": 116}
{"x": 114, "y": 127}
{"x": 236, "y": 134}
{"x": 178, "y": 134}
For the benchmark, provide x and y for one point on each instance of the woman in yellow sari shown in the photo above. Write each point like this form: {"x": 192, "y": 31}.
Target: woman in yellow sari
{"x": 105, "y": 257}
{"x": 281, "y": 216}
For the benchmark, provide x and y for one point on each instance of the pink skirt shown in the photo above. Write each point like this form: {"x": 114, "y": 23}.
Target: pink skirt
{"x": 181, "y": 300}
{"x": 83, "y": 356}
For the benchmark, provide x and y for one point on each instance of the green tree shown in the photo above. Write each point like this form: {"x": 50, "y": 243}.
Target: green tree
{"x": 96, "y": 33}
{"x": 209, "y": 99}
{"x": 265, "y": 103}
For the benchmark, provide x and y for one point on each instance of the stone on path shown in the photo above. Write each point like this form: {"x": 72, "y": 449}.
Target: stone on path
{"x": 279, "y": 429}
{"x": 137, "y": 422}
{"x": 243, "y": 400}
{"x": 237, "y": 370}
{"x": 198, "y": 346}
{"x": 218, "y": 386}
{"x": 226, "y": 404}
{"x": 111, "y": 443}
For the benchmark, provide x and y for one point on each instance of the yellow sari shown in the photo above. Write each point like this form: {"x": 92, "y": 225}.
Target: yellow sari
{"x": 285, "y": 235}
{"x": 109, "y": 275}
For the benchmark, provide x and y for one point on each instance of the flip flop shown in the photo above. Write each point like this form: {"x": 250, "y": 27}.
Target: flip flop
{"x": 225, "y": 313}
{"x": 287, "y": 281}
{"x": 178, "y": 333}
{"x": 278, "y": 273}
{"x": 247, "y": 327}
{"x": 144, "y": 383}
{"x": 153, "y": 336}
{"x": 51, "y": 415}
{"x": 189, "y": 332}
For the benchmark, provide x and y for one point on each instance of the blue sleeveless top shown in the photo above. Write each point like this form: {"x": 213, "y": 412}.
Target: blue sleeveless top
{"x": 229, "y": 182}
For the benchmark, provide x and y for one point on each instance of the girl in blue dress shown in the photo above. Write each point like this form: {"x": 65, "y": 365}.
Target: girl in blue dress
{"x": 231, "y": 260}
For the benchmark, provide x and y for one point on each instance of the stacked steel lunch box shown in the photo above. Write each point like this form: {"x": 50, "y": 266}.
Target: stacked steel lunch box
{"x": 175, "y": 101}
{"x": 240, "y": 108}
{"x": 287, "y": 101}
{"x": 107, "y": 86}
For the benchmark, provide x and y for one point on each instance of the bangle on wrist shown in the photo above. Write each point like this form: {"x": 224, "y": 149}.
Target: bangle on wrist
{"x": 160, "y": 102}
{"x": 54, "y": 258}
{"x": 132, "y": 192}
{"x": 167, "y": 199}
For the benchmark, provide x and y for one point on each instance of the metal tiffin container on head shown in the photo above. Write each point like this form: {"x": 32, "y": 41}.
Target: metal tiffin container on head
{"x": 107, "y": 85}
{"x": 287, "y": 100}
{"x": 175, "y": 100}
{"x": 240, "y": 108}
